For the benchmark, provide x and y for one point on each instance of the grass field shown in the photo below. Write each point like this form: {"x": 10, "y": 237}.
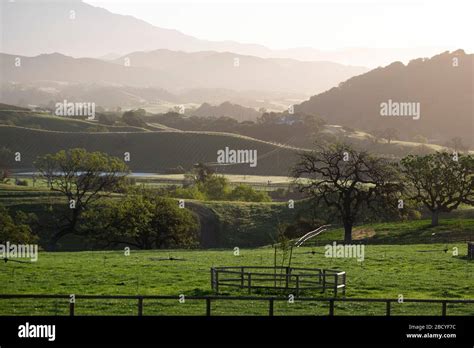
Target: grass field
{"x": 255, "y": 224}
{"x": 414, "y": 271}
{"x": 407, "y": 258}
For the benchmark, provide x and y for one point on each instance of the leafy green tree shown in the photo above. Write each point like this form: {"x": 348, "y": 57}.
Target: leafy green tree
{"x": 114, "y": 222}
{"x": 173, "y": 226}
{"x": 83, "y": 178}
{"x": 201, "y": 173}
{"x": 16, "y": 229}
{"x": 348, "y": 181}
{"x": 441, "y": 181}
{"x": 142, "y": 222}
{"x": 203, "y": 183}
{"x": 134, "y": 118}
{"x": 215, "y": 188}
{"x": 5, "y": 160}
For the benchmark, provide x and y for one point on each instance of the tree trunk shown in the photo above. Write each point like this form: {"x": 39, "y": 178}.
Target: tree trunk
{"x": 434, "y": 218}
{"x": 69, "y": 229}
{"x": 347, "y": 233}
{"x": 53, "y": 242}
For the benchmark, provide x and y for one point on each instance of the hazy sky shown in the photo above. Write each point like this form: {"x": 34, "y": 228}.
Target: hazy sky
{"x": 322, "y": 24}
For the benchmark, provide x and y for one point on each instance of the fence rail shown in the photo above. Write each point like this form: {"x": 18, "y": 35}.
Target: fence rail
{"x": 278, "y": 278}
{"x": 209, "y": 299}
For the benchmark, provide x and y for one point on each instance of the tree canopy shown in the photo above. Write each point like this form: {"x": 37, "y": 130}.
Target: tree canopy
{"x": 441, "y": 181}
{"x": 348, "y": 181}
{"x": 15, "y": 229}
{"x": 143, "y": 222}
{"x": 83, "y": 178}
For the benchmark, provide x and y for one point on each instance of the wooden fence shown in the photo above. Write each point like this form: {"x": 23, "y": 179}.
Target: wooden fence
{"x": 210, "y": 299}
{"x": 278, "y": 278}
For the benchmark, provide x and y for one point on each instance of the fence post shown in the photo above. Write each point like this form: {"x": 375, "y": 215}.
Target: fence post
{"x": 212, "y": 278}
{"x": 331, "y": 307}
{"x": 297, "y": 285}
{"x": 324, "y": 280}
{"x": 216, "y": 277}
{"x": 208, "y": 307}
{"x": 71, "y": 308}
{"x": 140, "y": 306}
{"x": 241, "y": 277}
{"x": 336, "y": 278}
{"x": 443, "y": 312}
{"x": 270, "y": 307}
{"x": 344, "y": 288}
{"x": 388, "y": 308}
{"x": 249, "y": 275}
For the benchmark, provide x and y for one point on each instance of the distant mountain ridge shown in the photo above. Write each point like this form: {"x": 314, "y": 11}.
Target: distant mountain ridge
{"x": 179, "y": 70}
{"x": 78, "y": 29}
{"x": 442, "y": 85}
{"x": 211, "y": 69}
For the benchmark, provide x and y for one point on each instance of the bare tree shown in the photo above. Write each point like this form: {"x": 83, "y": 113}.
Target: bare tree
{"x": 457, "y": 144}
{"x": 390, "y": 134}
{"x": 348, "y": 181}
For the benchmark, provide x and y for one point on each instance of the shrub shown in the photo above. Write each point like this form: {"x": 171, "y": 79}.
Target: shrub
{"x": 15, "y": 230}
{"x": 189, "y": 193}
{"x": 20, "y": 182}
{"x": 247, "y": 193}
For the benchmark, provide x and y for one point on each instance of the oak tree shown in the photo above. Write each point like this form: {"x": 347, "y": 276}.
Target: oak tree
{"x": 441, "y": 181}
{"x": 349, "y": 181}
{"x": 83, "y": 178}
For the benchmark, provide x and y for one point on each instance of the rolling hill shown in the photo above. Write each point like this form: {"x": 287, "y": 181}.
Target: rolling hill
{"x": 25, "y": 118}
{"x": 186, "y": 146}
{"x": 226, "y": 109}
{"x": 441, "y": 85}
{"x": 150, "y": 151}
{"x": 153, "y": 99}
{"x": 58, "y": 67}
